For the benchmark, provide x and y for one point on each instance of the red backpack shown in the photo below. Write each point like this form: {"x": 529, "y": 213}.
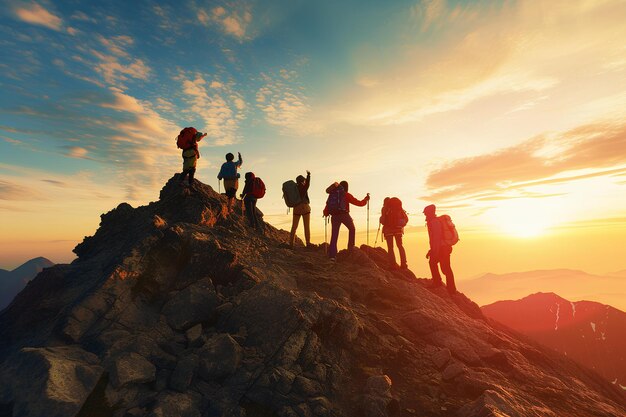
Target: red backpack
{"x": 186, "y": 138}
{"x": 395, "y": 216}
{"x": 450, "y": 235}
{"x": 258, "y": 187}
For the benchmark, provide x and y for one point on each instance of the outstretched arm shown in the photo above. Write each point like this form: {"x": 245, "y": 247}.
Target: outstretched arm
{"x": 240, "y": 161}
{"x": 308, "y": 180}
{"x": 354, "y": 201}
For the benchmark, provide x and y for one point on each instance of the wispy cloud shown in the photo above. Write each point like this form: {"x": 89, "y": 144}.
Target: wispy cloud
{"x": 76, "y": 152}
{"x": 283, "y": 102}
{"x": 547, "y": 159}
{"x": 217, "y": 103}
{"x": 483, "y": 50}
{"x": 428, "y": 12}
{"x": 233, "y": 20}
{"x": 37, "y": 15}
{"x": 12, "y": 191}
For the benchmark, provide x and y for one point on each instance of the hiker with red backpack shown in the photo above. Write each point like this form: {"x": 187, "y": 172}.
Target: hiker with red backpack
{"x": 394, "y": 218}
{"x": 228, "y": 172}
{"x": 338, "y": 208}
{"x": 442, "y": 235}
{"x": 187, "y": 140}
{"x": 296, "y": 195}
{"x": 253, "y": 189}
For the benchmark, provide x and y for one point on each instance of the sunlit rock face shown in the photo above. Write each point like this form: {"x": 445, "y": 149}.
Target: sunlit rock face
{"x": 179, "y": 309}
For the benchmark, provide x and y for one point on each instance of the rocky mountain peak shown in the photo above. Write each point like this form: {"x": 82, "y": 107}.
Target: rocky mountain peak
{"x": 179, "y": 308}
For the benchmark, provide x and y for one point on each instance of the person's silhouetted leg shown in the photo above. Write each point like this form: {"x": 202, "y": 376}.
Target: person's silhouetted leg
{"x": 192, "y": 172}
{"x": 447, "y": 269}
{"x": 294, "y": 227}
{"x": 434, "y": 271}
{"x": 335, "y": 222}
{"x": 306, "y": 219}
{"x": 391, "y": 254}
{"x": 347, "y": 220}
{"x": 250, "y": 203}
{"x": 402, "y": 252}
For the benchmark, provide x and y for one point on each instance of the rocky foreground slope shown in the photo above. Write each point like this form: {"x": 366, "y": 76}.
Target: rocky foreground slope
{"x": 176, "y": 309}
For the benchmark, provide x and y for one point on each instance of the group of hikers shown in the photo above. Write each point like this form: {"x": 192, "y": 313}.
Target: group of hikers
{"x": 442, "y": 233}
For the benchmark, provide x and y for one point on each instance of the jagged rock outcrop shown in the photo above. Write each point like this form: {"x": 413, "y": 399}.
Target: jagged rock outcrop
{"x": 179, "y": 309}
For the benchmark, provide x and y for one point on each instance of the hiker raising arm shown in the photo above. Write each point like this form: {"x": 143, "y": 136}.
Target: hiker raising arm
{"x": 228, "y": 173}
{"x": 302, "y": 209}
{"x": 338, "y": 207}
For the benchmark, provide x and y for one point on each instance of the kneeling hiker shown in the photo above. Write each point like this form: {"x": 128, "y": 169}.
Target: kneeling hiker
{"x": 442, "y": 235}
{"x": 229, "y": 174}
{"x": 187, "y": 140}
{"x": 253, "y": 189}
{"x": 394, "y": 218}
{"x": 296, "y": 195}
{"x": 338, "y": 207}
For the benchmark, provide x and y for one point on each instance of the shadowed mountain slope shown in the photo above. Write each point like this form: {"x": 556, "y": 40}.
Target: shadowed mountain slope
{"x": 177, "y": 309}
{"x": 594, "y": 334}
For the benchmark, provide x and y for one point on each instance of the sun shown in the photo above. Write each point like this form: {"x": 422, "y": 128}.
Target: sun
{"x": 521, "y": 218}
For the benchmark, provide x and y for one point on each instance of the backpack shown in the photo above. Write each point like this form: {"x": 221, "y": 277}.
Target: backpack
{"x": 336, "y": 202}
{"x": 258, "y": 187}
{"x": 450, "y": 235}
{"x": 394, "y": 214}
{"x": 186, "y": 138}
{"x": 291, "y": 193}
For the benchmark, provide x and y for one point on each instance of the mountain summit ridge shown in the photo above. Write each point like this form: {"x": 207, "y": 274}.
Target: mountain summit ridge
{"x": 178, "y": 308}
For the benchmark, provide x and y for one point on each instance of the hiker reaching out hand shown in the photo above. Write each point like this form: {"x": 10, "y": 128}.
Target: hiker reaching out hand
{"x": 188, "y": 140}
{"x": 338, "y": 208}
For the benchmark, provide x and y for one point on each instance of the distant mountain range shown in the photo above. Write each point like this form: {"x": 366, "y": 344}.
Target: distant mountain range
{"x": 12, "y": 282}
{"x": 591, "y": 333}
{"x": 570, "y": 284}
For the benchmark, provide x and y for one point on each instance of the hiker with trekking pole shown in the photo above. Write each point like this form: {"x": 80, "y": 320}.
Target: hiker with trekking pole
{"x": 338, "y": 208}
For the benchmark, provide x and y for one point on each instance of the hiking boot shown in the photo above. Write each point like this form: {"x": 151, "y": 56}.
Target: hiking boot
{"x": 435, "y": 284}
{"x": 451, "y": 290}
{"x": 404, "y": 266}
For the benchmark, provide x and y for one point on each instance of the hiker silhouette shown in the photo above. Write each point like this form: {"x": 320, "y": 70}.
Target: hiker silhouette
{"x": 301, "y": 209}
{"x": 394, "y": 218}
{"x": 228, "y": 173}
{"x": 338, "y": 208}
{"x": 253, "y": 189}
{"x": 187, "y": 140}
{"x": 440, "y": 248}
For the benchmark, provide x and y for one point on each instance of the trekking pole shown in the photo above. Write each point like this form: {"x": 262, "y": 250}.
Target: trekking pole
{"x": 375, "y": 241}
{"x": 368, "y": 222}
{"x": 326, "y": 233}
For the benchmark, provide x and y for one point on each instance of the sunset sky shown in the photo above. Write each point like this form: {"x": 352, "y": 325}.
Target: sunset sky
{"x": 510, "y": 116}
